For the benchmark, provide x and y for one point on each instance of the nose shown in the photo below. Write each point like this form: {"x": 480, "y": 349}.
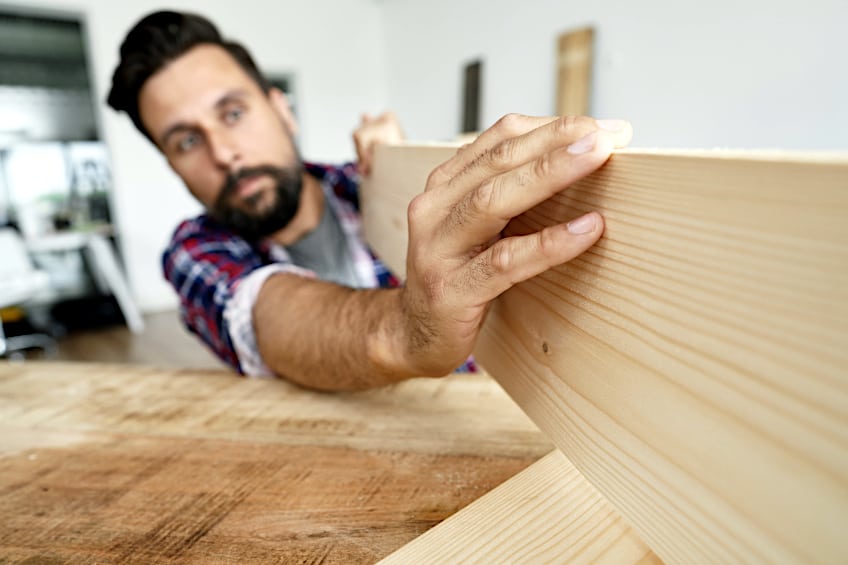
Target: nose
{"x": 223, "y": 149}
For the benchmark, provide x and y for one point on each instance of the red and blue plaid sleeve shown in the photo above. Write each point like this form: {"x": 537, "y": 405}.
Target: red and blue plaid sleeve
{"x": 205, "y": 263}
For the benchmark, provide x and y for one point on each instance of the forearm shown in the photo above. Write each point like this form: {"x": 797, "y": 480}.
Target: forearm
{"x": 325, "y": 336}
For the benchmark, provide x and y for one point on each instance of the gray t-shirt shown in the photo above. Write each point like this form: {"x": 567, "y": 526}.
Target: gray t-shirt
{"x": 325, "y": 251}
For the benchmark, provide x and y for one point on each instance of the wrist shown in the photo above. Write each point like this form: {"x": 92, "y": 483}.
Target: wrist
{"x": 388, "y": 347}
{"x": 407, "y": 343}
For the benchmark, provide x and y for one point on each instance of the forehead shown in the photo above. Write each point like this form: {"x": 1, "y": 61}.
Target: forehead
{"x": 189, "y": 86}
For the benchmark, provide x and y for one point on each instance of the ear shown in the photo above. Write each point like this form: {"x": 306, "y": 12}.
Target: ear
{"x": 281, "y": 104}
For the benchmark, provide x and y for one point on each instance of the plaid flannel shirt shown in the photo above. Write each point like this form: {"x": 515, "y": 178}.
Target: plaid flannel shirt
{"x": 217, "y": 274}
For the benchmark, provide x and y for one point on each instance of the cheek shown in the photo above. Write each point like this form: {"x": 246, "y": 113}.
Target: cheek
{"x": 203, "y": 181}
{"x": 270, "y": 140}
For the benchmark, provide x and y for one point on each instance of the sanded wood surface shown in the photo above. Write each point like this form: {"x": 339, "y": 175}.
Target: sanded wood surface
{"x": 558, "y": 516}
{"x": 119, "y": 464}
{"x": 694, "y": 364}
{"x": 399, "y": 173}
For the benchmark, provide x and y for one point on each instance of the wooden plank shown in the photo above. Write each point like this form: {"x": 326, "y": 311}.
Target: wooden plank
{"x": 128, "y": 464}
{"x": 574, "y": 77}
{"x": 692, "y": 365}
{"x": 558, "y": 516}
{"x": 399, "y": 173}
{"x": 462, "y": 414}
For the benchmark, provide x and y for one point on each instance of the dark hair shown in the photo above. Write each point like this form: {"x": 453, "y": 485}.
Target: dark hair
{"x": 155, "y": 41}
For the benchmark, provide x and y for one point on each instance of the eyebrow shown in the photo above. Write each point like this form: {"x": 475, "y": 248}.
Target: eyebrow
{"x": 227, "y": 98}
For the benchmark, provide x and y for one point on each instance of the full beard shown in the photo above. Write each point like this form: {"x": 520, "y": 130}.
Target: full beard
{"x": 247, "y": 219}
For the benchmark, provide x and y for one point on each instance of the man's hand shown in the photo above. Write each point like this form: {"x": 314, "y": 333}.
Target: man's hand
{"x": 458, "y": 261}
{"x": 385, "y": 128}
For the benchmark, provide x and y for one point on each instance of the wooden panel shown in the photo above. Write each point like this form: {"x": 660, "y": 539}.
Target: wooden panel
{"x": 558, "y": 516}
{"x": 574, "y": 81}
{"x": 399, "y": 173}
{"x": 126, "y": 464}
{"x": 692, "y": 365}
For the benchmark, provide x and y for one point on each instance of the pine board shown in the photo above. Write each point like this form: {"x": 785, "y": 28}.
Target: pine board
{"x": 692, "y": 365}
{"x": 558, "y": 516}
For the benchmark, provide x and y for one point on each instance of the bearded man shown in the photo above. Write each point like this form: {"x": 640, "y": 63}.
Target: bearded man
{"x": 276, "y": 278}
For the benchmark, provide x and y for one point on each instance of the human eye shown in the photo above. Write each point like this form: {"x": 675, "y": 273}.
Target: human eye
{"x": 187, "y": 142}
{"x": 233, "y": 114}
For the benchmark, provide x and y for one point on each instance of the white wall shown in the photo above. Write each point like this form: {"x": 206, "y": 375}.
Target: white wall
{"x": 337, "y": 79}
{"x": 740, "y": 73}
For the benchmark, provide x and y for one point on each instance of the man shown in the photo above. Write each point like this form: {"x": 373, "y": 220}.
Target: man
{"x": 276, "y": 278}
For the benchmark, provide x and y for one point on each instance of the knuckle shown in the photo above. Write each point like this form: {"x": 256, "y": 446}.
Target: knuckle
{"x": 484, "y": 196}
{"x": 436, "y": 177}
{"x": 465, "y": 151}
{"x": 417, "y": 209}
{"x": 566, "y": 124}
{"x": 543, "y": 166}
{"x": 509, "y": 123}
{"x": 502, "y": 259}
{"x": 548, "y": 242}
{"x": 500, "y": 156}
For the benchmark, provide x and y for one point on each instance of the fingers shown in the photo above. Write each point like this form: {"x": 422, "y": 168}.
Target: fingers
{"x": 363, "y": 153}
{"x": 508, "y": 154}
{"x": 372, "y": 131}
{"x": 515, "y": 259}
{"x": 509, "y": 169}
{"x": 486, "y": 209}
{"x": 458, "y": 261}
{"x": 508, "y": 127}
{"x": 515, "y": 140}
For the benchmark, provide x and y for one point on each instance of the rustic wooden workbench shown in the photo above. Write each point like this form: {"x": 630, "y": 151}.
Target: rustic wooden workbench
{"x": 113, "y": 463}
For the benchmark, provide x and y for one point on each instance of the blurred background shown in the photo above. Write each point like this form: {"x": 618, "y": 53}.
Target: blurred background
{"x": 738, "y": 74}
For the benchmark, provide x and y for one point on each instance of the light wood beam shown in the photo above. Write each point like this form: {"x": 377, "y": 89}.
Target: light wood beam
{"x": 694, "y": 364}
{"x": 558, "y": 516}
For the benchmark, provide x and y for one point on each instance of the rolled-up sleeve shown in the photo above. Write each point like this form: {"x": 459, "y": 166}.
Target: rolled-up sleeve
{"x": 238, "y": 317}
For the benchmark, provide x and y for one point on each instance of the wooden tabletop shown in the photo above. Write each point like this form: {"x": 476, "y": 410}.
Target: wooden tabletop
{"x": 129, "y": 464}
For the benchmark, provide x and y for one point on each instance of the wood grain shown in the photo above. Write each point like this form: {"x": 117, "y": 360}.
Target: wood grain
{"x": 399, "y": 173}
{"x": 127, "y": 464}
{"x": 692, "y": 365}
{"x": 558, "y": 516}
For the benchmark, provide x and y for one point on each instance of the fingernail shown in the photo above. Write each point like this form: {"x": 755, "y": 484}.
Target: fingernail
{"x": 583, "y": 224}
{"x": 583, "y": 145}
{"x": 611, "y": 125}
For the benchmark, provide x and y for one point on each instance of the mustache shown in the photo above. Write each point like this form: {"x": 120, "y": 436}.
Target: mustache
{"x": 246, "y": 218}
{"x": 233, "y": 179}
